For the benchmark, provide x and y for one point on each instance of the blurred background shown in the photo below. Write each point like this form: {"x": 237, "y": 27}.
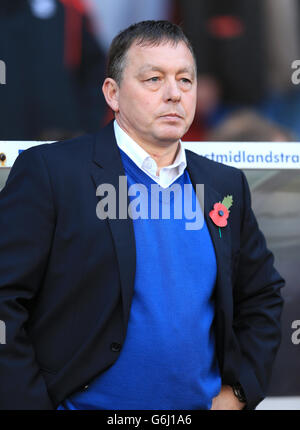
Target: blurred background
{"x": 55, "y": 57}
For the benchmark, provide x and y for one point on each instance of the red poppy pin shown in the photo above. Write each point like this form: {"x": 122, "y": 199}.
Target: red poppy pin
{"x": 220, "y": 212}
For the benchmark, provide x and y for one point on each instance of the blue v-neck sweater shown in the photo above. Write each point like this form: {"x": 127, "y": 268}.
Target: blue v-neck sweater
{"x": 168, "y": 360}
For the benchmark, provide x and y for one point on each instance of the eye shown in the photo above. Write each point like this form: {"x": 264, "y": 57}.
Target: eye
{"x": 186, "y": 80}
{"x": 153, "y": 79}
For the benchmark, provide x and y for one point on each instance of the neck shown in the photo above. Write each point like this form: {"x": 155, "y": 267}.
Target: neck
{"x": 164, "y": 155}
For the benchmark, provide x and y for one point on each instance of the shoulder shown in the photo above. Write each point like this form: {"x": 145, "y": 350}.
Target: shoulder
{"x": 69, "y": 149}
{"x": 54, "y": 162}
{"x": 77, "y": 149}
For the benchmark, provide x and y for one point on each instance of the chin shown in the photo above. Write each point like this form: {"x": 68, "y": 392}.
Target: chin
{"x": 171, "y": 134}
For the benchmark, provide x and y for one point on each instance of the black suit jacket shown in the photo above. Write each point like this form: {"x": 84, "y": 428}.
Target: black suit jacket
{"x": 67, "y": 277}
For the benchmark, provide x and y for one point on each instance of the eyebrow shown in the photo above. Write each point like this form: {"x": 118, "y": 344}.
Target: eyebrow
{"x": 150, "y": 67}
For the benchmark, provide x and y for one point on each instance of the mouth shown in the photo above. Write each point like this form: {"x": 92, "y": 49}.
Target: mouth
{"x": 172, "y": 116}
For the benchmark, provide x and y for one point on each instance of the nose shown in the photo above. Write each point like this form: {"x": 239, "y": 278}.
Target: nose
{"x": 172, "y": 92}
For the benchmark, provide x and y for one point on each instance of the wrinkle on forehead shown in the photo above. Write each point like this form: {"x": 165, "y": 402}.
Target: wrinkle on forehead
{"x": 152, "y": 68}
{"x": 148, "y": 66}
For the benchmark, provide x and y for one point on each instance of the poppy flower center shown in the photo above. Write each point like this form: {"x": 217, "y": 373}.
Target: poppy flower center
{"x": 221, "y": 213}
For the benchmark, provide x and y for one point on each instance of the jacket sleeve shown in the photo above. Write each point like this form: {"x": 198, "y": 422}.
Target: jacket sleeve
{"x": 257, "y": 307}
{"x": 26, "y": 228}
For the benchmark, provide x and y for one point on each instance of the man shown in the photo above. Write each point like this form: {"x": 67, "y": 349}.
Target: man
{"x": 124, "y": 312}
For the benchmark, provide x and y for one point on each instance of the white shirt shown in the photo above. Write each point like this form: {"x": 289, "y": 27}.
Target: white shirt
{"x": 145, "y": 162}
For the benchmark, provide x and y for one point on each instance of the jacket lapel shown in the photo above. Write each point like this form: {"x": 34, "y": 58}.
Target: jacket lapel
{"x": 222, "y": 247}
{"x": 222, "y": 244}
{"x": 106, "y": 168}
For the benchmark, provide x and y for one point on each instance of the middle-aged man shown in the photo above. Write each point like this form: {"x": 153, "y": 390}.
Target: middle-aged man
{"x": 123, "y": 312}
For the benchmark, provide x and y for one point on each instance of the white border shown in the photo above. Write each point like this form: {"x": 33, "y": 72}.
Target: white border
{"x": 243, "y": 155}
{"x": 250, "y": 155}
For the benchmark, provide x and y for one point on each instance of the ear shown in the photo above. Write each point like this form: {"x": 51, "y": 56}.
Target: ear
{"x": 110, "y": 90}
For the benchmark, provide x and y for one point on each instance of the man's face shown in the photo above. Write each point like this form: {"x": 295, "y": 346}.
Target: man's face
{"x": 157, "y": 94}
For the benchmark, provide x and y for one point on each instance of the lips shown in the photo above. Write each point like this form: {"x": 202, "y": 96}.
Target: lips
{"x": 172, "y": 115}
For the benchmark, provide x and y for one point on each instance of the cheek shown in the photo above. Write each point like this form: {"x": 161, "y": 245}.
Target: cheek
{"x": 190, "y": 106}
{"x": 129, "y": 109}
{"x": 147, "y": 109}
{"x": 138, "y": 103}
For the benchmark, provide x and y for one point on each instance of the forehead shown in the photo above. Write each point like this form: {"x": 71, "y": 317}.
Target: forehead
{"x": 165, "y": 56}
